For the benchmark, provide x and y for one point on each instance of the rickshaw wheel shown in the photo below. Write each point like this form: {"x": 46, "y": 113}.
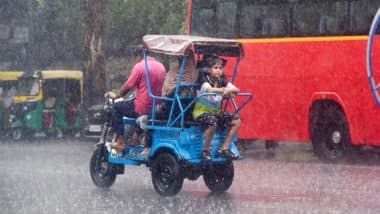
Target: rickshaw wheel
{"x": 101, "y": 171}
{"x": 220, "y": 177}
{"x": 17, "y": 134}
{"x": 167, "y": 174}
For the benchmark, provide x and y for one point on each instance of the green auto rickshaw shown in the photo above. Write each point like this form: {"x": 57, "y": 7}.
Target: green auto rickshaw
{"x": 8, "y": 89}
{"x": 48, "y": 103}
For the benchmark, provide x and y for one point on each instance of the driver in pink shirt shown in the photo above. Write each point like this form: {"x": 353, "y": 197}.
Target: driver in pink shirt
{"x": 143, "y": 102}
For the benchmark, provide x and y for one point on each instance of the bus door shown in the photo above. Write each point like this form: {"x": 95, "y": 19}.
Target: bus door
{"x": 373, "y": 58}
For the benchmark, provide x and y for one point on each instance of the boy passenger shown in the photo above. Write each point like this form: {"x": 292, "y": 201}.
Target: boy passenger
{"x": 207, "y": 110}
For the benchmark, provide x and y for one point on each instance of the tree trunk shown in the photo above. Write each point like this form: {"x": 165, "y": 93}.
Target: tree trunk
{"x": 94, "y": 63}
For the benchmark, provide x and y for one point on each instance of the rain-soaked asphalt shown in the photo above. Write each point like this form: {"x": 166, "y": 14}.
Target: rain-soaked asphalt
{"x": 50, "y": 176}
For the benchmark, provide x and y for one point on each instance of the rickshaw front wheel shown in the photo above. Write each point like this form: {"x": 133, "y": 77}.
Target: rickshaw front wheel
{"x": 17, "y": 134}
{"x": 101, "y": 171}
{"x": 219, "y": 178}
{"x": 167, "y": 174}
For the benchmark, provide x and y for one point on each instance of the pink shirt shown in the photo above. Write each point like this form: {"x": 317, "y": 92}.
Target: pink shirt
{"x": 137, "y": 79}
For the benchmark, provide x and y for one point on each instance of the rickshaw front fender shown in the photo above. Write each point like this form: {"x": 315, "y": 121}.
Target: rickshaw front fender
{"x": 17, "y": 124}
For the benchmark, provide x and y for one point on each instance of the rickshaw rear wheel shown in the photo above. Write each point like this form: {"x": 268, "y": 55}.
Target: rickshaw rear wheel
{"x": 220, "y": 177}
{"x": 101, "y": 171}
{"x": 167, "y": 174}
{"x": 17, "y": 134}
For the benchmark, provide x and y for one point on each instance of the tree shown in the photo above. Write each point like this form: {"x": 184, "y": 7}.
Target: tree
{"x": 94, "y": 67}
{"x": 13, "y": 10}
{"x": 128, "y": 20}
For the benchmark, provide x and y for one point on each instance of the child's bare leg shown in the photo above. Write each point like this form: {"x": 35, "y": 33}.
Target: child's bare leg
{"x": 235, "y": 125}
{"x": 209, "y": 133}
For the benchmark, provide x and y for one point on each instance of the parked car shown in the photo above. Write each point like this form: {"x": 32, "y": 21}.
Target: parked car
{"x": 94, "y": 121}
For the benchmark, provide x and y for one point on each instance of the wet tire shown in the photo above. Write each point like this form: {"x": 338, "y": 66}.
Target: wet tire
{"x": 101, "y": 171}
{"x": 17, "y": 134}
{"x": 167, "y": 174}
{"x": 330, "y": 135}
{"x": 220, "y": 178}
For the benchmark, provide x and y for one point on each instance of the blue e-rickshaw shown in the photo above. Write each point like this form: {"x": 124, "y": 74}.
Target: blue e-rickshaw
{"x": 177, "y": 142}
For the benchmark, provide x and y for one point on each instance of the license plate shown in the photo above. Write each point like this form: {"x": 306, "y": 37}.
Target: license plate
{"x": 95, "y": 128}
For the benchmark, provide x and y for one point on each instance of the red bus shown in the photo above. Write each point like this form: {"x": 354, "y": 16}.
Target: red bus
{"x": 305, "y": 63}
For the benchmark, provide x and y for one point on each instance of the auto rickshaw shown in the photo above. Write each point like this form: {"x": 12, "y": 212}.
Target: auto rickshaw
{"x": 48, "y": 103}
{"x": 177, "y": 141}
{"x": 8, "y": 80}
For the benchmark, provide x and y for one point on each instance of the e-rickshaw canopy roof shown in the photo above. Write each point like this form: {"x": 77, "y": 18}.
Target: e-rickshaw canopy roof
{"x": 61, "y": 74}
{"x": 179, "y": 44}
{"x": 10, "y": 75}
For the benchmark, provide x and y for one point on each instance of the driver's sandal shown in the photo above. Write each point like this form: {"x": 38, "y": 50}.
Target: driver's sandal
{"x": 206, "y": 155}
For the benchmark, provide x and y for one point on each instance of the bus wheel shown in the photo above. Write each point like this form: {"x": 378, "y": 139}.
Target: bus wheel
{"x": 330, "y": 134}
{"x": 101, "y": 171}
{"x": 220, "y": 177}
{"x": 17, "y": 134}
{"x": 167, "y": 174}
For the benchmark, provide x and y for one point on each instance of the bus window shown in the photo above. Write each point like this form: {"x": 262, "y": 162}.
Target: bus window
{"x": 226, "y": 12}
{"x": 202, "y": 22}
{"x": 320, "y": 18}
{"x": 211, "y": 20}
{"x": 361, "y": 15}
{"x": 250, "y": 21}
{"x": 259, "y": 20}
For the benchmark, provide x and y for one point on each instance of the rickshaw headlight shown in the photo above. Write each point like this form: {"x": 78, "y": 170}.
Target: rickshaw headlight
{"x": 12, "y": 118}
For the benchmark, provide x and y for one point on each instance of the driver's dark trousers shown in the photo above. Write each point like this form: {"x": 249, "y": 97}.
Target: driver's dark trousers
{"x": 120, "y": 110}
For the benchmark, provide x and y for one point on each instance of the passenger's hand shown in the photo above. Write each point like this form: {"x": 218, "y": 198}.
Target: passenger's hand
{"x": 226, "y": 92}
{"x": 229, "y": 92}
{"x": 110, "y": 94}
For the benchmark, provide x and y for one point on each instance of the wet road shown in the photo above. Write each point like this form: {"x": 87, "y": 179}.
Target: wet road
{"x": 53, "y": 177}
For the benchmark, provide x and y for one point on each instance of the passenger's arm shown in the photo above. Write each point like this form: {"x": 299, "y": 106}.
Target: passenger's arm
{"x": 215, "y": 90}
{"x": 231, "y": 90}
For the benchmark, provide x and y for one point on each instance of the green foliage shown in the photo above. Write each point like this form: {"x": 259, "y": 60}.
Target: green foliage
{"x": 128, "y": 20}
{"x": 13, "y": 10}
{"x": 56, "y": 31}
{"x": 55, "y": 26}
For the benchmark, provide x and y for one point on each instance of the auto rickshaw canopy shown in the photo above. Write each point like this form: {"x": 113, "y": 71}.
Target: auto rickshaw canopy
{"x": 179, "y": 44}
{"x": 61, "y": 74}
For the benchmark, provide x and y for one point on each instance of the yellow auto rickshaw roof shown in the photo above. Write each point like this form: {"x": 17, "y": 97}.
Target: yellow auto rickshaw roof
{"x": 10, "y": 75}
{"x": 64, "y": 74}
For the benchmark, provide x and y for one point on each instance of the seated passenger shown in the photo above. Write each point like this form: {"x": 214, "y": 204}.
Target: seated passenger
{"x": 51, "y": 98}
{"x": 72, "y": 106}
{"x": 189, "y": 75}
{"x": 207, "y": 110}
{"x": 142, "y": 105}
{"x": 50, "y": 102}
